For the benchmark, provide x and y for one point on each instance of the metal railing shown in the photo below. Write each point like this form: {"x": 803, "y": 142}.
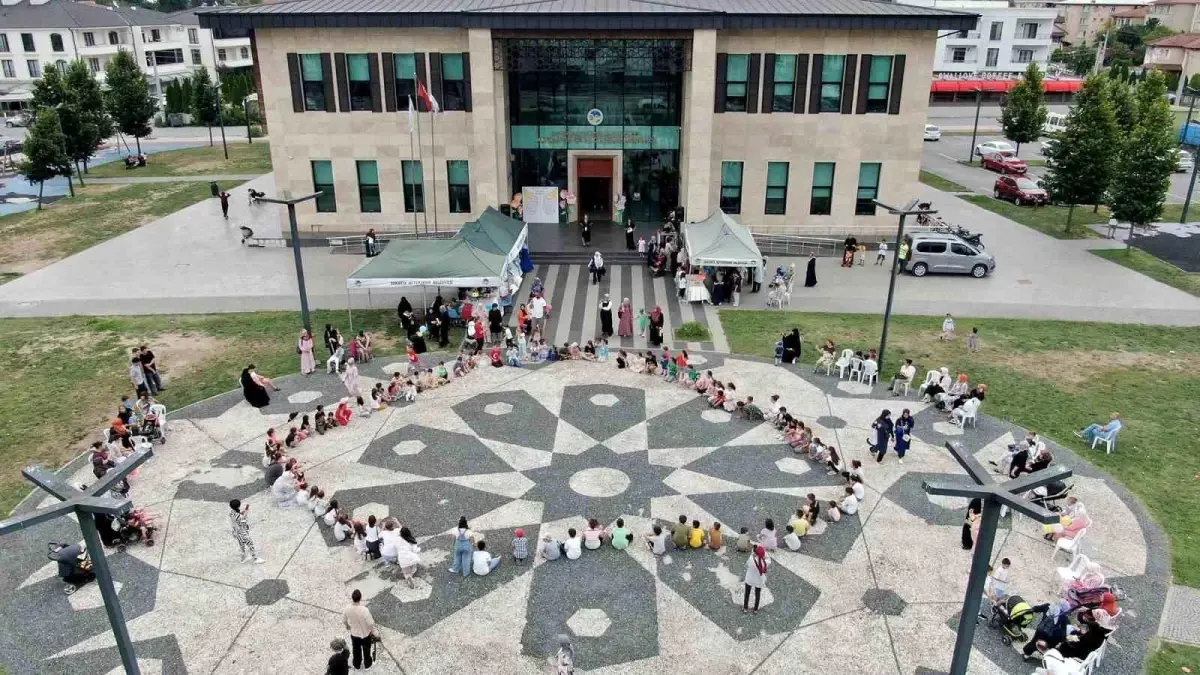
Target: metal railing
{"x": 356, "y": 244}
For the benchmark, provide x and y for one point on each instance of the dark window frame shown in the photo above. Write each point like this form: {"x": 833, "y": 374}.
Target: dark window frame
{"x": 406, "y": 87}
{"x": 865, "y": 205}
{"x": 369, "y": 200}
{"x": 8, "y": 69}
{"x": 821, "y": 204}
{"x": 327, "y": 201}
{"x": 114, "y": 38}
{"x": 27, "y": 44}
{"x": 454, "y": 91}
{"x": 827, "y": 104}
{"x": 459, "y": 193}
{"x": 56, "y": 43}
{"x": 730, "y": 203}
{"x": 313, "y": 91}
{"x": 89, "y": 39}
{"x": 732, "y": 101}
{"x": 414, "y": 193}
{"x": 775, "y": 204}
{"x": 996, "y": 31}
{"x": 877, "y": 102}
{"x": 784, "y": 102}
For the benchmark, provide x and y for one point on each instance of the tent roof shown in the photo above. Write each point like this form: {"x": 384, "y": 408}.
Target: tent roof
{"x": 722, "y": 240}
{"x": 492, "y": 231}
{"x": 429, "y": 259}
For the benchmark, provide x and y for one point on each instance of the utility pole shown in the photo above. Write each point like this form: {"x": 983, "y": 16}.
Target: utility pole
{"x": 291, "y": 207}
{"x": 910, "y": 209}
{"x": 975, "y": 129}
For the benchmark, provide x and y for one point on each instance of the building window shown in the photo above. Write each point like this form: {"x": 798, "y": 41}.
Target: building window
{"x": 868, "y": 189}
{"x": 113, "y": 38}
{"x": 731, "y": 187}
{"x": 1029, "y": 31}
{"x": 322, "y": 175}
{"x": 221, "y": 55}
{"x": 414, "y": 186}
{"x": 35, "y": 68}
{"x": 737, "y": 73}
{"x": 358, "y": 69}
{"x": 368, "y": 186}
{"x": 7, "y": 66}
{"x": 3, "y": 43}
{"x": 822, "y": 189}
{"x": 958, "y": 55}
{"x": 997, "y": 30}
{"x": 458, "y": 177}
{"x": 783, "y": 85}
{"x": 195, "y": 57}
{"x": 963, "y": 34}
{"x": 879, "y": 84}
{"x": 993, "y": 57}
{"x": 777, "y": 181}
{"x": 244, "y": 52}
{"x": 165, "y": 57}
{"x": 56, "y": 43}
{"x": 155, "y": 35}
{"x": 94, "y": 64}
{"x": 1024, "y": 56}
{"x": 832, "y": 72}
{"x": 454, "y": 84}
{"x": 406, "y": 80}
{"x": 61, "y": 66}
{"x": 27, "y": 42}
{"x": 193, "y": 36}
{"x": 89, "y": 39}
{"x": 312, "y": 79}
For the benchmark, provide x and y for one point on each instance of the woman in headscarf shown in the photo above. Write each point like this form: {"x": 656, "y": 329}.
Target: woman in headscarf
{"x": 629, "y": 243}
{"x": 756, "y": 578}
{"x": 810, "y": 274}
{"x": 350, "y": 377}
{"x": 656, "y": 326}
{"x": 974, "y": 513}
{"x": 254, "y": 388}
{"x": 881, "y": 430}
{"x": 585, "y": 231}
{"x": 596, "y": 267}
{"x": 939, "y": 386}
{"x": 304, "y": 347}
{"x": 903, "y": 433}
{"x": 330, "y": 339}
{"x": 496, "y": 323}
{"x": 625, "y": 316}
{"x": 606, "y": 325}
{"x": 403, "y": 307}
{"x": 1090, "y": 636}
{"x": 792, "y": 346}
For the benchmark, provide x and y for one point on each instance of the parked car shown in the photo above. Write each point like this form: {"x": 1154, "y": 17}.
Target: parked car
{"x": 1047, "y": 144}
{"x": 11, "y": 146}
{"x": 1002, "y": 147}
{"x": 1055, "y": 123}
{"x": 21, "y": 119}
{"x": 947, "y": 254}
{"x": 1005, "y": 164}
{"x": 1185, "y": 163}
{"x": 932, "y": 132}
{"x": 1020, "y": 190}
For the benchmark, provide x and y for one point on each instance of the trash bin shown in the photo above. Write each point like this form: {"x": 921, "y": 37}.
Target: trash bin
{"x": 214, "y": 188}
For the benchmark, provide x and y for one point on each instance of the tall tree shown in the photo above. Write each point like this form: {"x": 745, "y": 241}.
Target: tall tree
{"x": 87, "y": 103}
{"x": 45, "y": 151}
{"x": 1121, "y": 95}
{"x": 129, "y": 101}
{"x": 204, "y": 101}
{"x": 1025, "y": 113}
{"x": 50, "y": 93}
{"x": 1081, "y": 162}
{"x": 1147, "y": 158}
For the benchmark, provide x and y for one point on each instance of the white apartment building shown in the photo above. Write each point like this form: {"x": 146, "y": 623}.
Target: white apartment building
{"x": 40, "y": 34}
{"x": 1004, "y": 42}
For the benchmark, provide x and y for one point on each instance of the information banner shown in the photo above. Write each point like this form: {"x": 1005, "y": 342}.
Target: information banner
{"x": 541, "y": 204}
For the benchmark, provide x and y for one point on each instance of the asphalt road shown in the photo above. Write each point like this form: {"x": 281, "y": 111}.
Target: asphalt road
{"x": 962, "y": 117}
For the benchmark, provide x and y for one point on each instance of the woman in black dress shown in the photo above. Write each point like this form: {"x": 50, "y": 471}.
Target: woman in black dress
{"x": 495, "y": 323}
{"x": 810, "y": 274}
{"x": 585, "y": 230}
{"x": 255, "y": 393}
{"x": 629, "y": 236}
{"x": 974, "y": 512}
{"x": 444, "y": 327}
{"x": 606, "y": 325}
{"x": 792, "y": 346}
{"x": 330, "y": 339}
{"x": 656, "y": 326}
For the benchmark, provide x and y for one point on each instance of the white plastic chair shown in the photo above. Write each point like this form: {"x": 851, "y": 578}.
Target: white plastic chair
{"x": 160, "y": 411}
{"x": 1072, "y": 571}
{"x": 968, "y": 412}
{"x": 843, "y": 362}
{"x": 869, "y": 373}
{"x": 906, "y": 383}
{"x": 1109, "y": 440}
{"x": 930, "y": 377}
{"x": 1072, "y": 546}
{"x": 856, "y": 365}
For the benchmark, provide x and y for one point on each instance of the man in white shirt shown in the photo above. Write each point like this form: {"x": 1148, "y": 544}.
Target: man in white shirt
{"x": 537, "y": 310}
{"x": 791, "y": 539}
{"x": 857, "y": 486}
{"x": 850, "y": 502}
{"x": 573, "y": 545}
{"x": 907, "y": 372}
{"x": 362, "y": 625}
{"x": 483, "y": 562}
{"x": 657, "y": 541}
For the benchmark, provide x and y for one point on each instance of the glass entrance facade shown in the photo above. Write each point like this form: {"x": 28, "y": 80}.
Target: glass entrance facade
{"x": 577, "y": 94}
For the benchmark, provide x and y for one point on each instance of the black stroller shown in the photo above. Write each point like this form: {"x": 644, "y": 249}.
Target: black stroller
{"x": 74, "y": 565}
{"x": 1048, "y": 495}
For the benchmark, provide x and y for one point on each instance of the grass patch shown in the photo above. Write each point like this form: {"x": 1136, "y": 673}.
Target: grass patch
{"x": 1054, "y": 377}
{"x": 1050, "y": 220}
{"x": 1172, "y": 659}
{"x": 692, "y": 331}
{"x": 1159, "y": 270}
{"x": 34, "y": 239}
{"x": 72, "y": 370}
{"x": 244, "y": 158}
{"x": 935, "y": 181}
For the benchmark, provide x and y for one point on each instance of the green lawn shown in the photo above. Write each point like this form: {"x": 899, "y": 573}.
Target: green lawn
{"x": 1140, "y": 261}
{"x": 1054, "y": 377}
{"x": 1051, "y": 220}
{"x": 244, "y": 158}
{"x": 944, "y": 184}
{"x": 1174, "y": 659}
{"x": 72, "y": 370}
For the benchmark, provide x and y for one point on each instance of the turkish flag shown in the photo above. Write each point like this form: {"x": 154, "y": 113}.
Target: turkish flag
{"x": 424, "y": 95}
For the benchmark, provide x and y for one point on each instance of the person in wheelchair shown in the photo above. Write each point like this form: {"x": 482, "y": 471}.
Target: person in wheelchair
{"x": 74, "y": 567}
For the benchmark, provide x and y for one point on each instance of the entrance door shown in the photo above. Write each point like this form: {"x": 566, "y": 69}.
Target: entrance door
{"x": 594, "y": 176}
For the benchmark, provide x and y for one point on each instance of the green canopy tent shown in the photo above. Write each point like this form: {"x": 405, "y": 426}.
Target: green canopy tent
{"x": 720, "y": 241}
{"x": 495, "y": 232}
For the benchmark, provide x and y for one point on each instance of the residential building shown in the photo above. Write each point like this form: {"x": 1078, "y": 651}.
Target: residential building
{"x": 789, "y": 115}
{"x": 1129, "y": 17}
{"x": 1175, "y": 54}
{"x": 39, "y": 34}
{"x": 1083, "y": 20}
{"x": 1002, "y": 44}
{"x": 1178, "y": 15}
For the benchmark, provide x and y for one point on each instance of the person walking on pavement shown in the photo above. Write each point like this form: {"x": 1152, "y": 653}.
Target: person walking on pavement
{"x": 241, "y": 531}
{"x": 362, "y": 630}
{"x": 224, "y": 197}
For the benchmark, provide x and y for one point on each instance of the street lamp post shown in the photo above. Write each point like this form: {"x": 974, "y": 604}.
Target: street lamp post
{"x": 913, "y": 208}
{"x": 1187, "y": 201}
{"x": 246, "y": 110}
{"x": 975, "y": 129}
{"x": 291, "y": 207}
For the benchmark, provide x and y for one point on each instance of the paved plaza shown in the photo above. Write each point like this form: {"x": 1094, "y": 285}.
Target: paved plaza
{"x": 542, "y": 449}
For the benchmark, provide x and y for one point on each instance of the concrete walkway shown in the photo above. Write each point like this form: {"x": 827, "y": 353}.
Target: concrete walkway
{"x": 174, "y": 179}
{"x": 1181, "y": 616}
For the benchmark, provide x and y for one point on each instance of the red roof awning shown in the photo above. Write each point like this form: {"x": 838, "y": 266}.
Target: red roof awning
{"x": 966, "y": 86}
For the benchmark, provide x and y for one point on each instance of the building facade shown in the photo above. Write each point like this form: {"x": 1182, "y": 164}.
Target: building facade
{"x": 1083, "y": 20}
{"x": 1178, "y": 15}
{"x": 790, "y": 119}
{"x": 40, "y": 34}
{"x": 1003, "y": 43}
{"x": 1175, "y": 54}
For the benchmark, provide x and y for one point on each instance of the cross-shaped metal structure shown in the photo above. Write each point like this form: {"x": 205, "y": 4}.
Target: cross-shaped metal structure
{"x": 995, "y": 496}
{"x": 96, "y": 499}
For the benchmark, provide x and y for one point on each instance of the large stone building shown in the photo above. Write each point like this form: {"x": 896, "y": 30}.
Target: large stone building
{"x": 792, "y": 114}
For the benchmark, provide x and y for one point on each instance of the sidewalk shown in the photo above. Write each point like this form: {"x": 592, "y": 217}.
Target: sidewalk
{"x": 1181, "y": 616}
{"x": 174, "y": 179}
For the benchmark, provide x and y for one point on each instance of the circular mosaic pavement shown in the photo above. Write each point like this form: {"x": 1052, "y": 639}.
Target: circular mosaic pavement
{"x": 542, "y": 449}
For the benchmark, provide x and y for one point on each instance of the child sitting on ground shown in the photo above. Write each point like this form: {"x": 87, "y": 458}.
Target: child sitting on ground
{"x": 361, "y": 407}
{"x": 377, "y": 394}
{"x": 514, "y": 357}
{"x": 519, "y": 546}
{"x": 743, "y": 542}
{"x": 589, "y": 351}
{"x": 443, "y": 375}
{"x": 342, "y": 415}
{"x": 602, "y": 350}
{"x": 791, "y": 539}
{"x": 322, "y": 421}
{"x": 410, "y": 391}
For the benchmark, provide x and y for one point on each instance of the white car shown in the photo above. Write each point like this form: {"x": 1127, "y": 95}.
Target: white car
{"x": 999, "y": 147}
{"x": 932, "y": 132}
{"x": 1047, "y": 144}
{"x": 1184, "y": 162}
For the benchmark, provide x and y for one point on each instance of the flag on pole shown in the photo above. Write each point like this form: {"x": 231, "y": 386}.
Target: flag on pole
{"x": 424, "y": 95}
{"x": 412, "y": 116}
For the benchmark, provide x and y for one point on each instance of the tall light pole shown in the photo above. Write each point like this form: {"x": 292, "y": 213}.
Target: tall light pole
{"x": 1195, "y": 155}
{"x": 975, "y": 129}
{"x": 910, "y": 209}
{"x": 291, "y": 207}
{"x": 246, "y": 110}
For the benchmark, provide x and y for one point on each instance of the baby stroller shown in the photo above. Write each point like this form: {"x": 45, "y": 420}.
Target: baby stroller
{"x": 74, "y": 565}
{"x": 120, "y": 531}
{"x": 154, "y": 425}
{"x": 1012, "y": 616}
{"x": 1047, "y": 495}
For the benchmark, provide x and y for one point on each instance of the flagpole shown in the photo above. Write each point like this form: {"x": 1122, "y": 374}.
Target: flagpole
{"x": 421, "y": 163}
{"x": 433, "y": 148}
{"x": 412, "y": 152}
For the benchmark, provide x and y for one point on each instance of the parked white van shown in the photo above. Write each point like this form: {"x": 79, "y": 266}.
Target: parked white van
{"x": 1055, "y": 123}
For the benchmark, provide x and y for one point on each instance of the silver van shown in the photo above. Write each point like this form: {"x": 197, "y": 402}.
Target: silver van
{"x": 947, "y": 254}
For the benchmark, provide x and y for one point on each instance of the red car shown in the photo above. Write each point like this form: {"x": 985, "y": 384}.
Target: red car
{"x": 1020, "y": 190}
{"x": 1004, "y": 163}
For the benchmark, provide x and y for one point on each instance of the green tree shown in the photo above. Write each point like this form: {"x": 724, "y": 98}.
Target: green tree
{"x": 1147, "y": 158}
{"x": 204, "y": 101}
{"x": 128, "y": 100}
{"x": 45, "y": 151}
{"x": 1081, "y": 163}
{"x": 1025, "y": 113}
{"x": 87, "y": 104}
{"x": 1194, "y": 82}
{"x": 1121, "y": 95}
